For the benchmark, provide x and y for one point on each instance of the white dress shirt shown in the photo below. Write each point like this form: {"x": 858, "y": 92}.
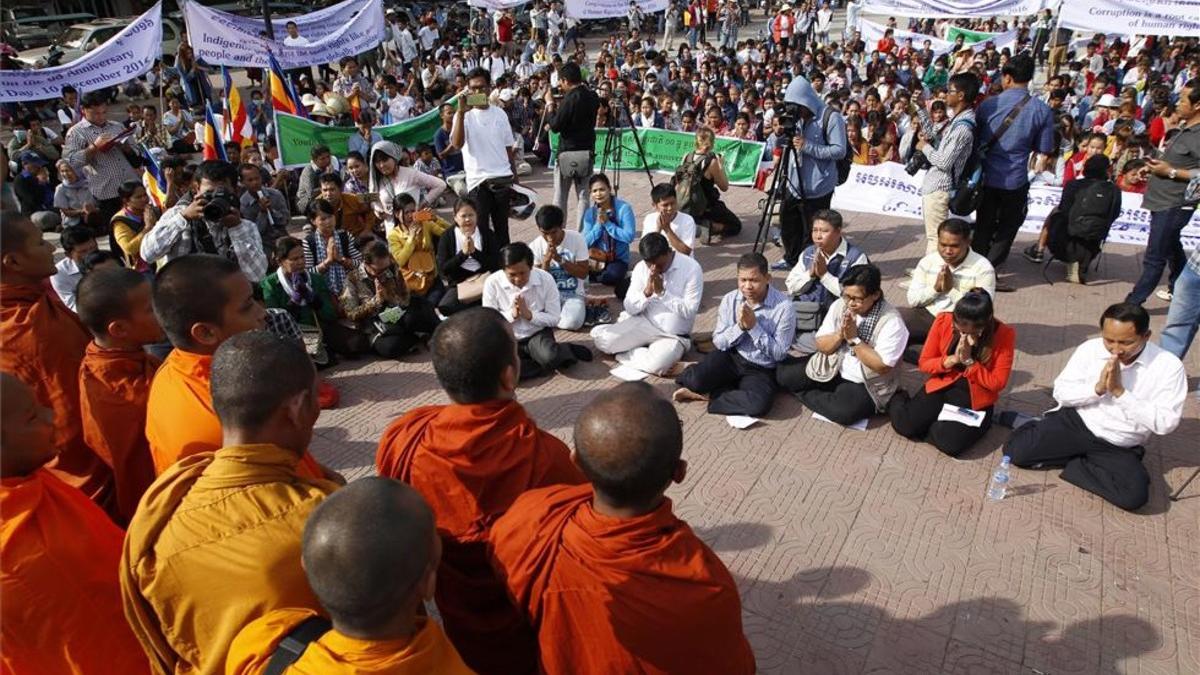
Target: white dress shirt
{"x": 684, "y": 227}
{"x": 674, "y": 310}
{"x": 540, "y": 294}
{"x": 975, "y": 270}
{"x": 1155, "y": 390}
{"x": 890, "y": 339}
{"x": 66, "y": 280}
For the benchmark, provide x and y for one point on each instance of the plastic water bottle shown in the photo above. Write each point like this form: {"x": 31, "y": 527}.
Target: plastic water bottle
{"x": 1000, "y": 478}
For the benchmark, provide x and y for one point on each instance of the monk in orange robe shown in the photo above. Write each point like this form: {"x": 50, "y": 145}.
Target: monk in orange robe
{"x": 371, "y": 554}
{"x": 470, "y": 460}
{"x": 215, "y": 542}
{"x": 114, "y": 379}
{"x": 42, "y": 343}
{"x": 59, "y": 555}
{"x": 613, "y": 580}
{"x": 201, "y": 300}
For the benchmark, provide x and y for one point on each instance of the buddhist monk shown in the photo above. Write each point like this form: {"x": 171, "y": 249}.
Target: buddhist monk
{"x": 215, "y": 542}
{"x": 470, "y": 460}
{"x": 370, "y": 554}
{"x": 614, "y": 581}
{"x": 114, "y": 380}
{"x": 42, "y": 344}
{"x": 59, "y": 554}
{"x": 200, "y": 300}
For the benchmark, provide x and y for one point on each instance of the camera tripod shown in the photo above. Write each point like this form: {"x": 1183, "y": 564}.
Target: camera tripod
{"x": 613, "y": 148}
{"x": 779, "y": 183}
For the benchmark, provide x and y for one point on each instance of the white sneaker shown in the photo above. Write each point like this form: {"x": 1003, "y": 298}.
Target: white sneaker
{"x": 1163, "y": 293}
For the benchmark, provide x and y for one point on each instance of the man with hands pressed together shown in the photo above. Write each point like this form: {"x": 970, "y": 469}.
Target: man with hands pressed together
{"x": 755, "y": 327}
{"x": 942, "y": 277}
{"x": 1115, "y": 392}
{"x": 678, "y": 227}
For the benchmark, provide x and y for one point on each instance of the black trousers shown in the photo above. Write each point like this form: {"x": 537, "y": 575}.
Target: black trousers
{"x": 840, "y": 400}
{"x": 734, "y": 385}
{"x": 795, "y": 223}
{"x": 918, "y": 321}
{"x": 449, "y": 302}
{"x": 718, "y": 212}
{"x": 998, "y": 218}
{"x": 1063, "y": 440}
{"x": 916, "y": 417}
{"x": 494, "y": 200}
{"x": 418, "y": 321}
{"x": 541, "y": 354}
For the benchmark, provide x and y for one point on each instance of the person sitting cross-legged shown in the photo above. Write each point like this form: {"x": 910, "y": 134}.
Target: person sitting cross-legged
{"x": 755, "y": 327}
{"x": 564, "y": 255}
{"x": 654, "y": 331}
{"x": 816, "y": 280}
{"x": 853, "y": 374}
{"x": 942, "y": 277}
{"x": 968, "y": 357}
{"x": 1115, "y": 391}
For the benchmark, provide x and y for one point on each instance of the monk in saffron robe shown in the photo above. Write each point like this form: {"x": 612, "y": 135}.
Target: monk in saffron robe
{"x": 59, "y": 554}
{"x": 614, "y": 581}
{"x": 200, "y": 300}
{"x": 371, "y": 554}
{"x": 215, "y": 542}
{"x": 470, "y": 460}
{"x": 114, "y": 379}
{"x": 42, "y": 343}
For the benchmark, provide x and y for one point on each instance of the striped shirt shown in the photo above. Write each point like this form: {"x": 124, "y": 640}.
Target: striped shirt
{"x": 949, "y": 158}
{"x": 974, "y": 271}
{"x": 173, "y": 238}
{"x": 106, "y": 170}
{"x": 335, "y": 274}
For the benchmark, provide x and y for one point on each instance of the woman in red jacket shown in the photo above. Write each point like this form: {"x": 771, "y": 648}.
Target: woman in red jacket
{"x": 968, "y": 356}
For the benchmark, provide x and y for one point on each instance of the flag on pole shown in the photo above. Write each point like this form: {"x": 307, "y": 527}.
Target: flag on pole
{"x": 234, "y": 115}
{"x": 212, "y": 144}
{"x": 153, "y": 179}
{"x": 283, "y": 97}
{"x": 355, "y": 107}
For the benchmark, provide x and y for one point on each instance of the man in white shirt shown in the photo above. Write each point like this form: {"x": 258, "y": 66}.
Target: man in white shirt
{"x": 1115, "y": 392}
{"x": 942, "y": 277}
{"x": 527, "y": 297}
{"x": 564, "y": 254}
{"x": 77, "y": 242}
{"x": 428, "y": 37}
{"x": 488, "y": 145}
{"x": 679, "y": 228}
{"x": 654, "y": 331}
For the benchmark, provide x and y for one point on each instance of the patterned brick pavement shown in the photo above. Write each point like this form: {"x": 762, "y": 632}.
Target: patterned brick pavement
{"x": 864, "y": 552}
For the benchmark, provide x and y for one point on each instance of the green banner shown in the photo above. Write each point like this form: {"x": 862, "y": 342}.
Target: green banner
{"x": 970, "y": 37}
{"x": 297, "y": 136}
{"x": 664, "y": 150}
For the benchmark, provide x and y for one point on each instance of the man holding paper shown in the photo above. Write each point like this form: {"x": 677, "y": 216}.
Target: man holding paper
{"x": 98, "y": 145}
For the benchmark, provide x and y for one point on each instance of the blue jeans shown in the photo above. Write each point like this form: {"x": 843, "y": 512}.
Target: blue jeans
{"x": 1162, "y": 249}
{"x": 1183, "y": 318}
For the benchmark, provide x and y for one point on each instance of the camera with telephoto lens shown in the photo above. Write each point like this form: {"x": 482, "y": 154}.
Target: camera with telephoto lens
{"x": 916, "y": 159}
{"x": 218, "y": 203}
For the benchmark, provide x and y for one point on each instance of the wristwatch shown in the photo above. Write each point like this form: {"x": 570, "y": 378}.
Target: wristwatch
{"x": 968, "y": 363}
{"x": 854, "y": 341}
{"x": 1173, "y": 173}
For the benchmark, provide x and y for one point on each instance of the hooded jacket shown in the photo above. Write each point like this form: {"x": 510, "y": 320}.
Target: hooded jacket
{"x": 818, "y": 160}
{"x": 423, "y": 187}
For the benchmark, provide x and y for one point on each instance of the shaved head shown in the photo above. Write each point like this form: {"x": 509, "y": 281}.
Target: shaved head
{"x": 188, "y": 291}
{"x": 256, "y": 373}
{"x": 629, "y": 441}
{"x": 103, "y": 296}
{"x": 367, "y": 548}
{"x": 26, "y": 429}
{"x": 471, "y": 349}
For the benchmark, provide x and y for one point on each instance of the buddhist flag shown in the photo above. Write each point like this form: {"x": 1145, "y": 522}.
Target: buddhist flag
{"x": 283, "y": 97}
{"x": 236, "y": 119}
{"x": 213, "y": 147}
{"x": 153, "y": 179}
{"x": 355, "y": 107}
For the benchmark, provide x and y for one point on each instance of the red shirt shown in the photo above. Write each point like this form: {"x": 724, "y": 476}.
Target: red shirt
{"x": 504, "y": 29}
{"x": 986, "y": 379}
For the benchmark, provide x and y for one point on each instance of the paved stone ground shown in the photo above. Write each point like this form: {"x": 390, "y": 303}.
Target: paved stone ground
{"x": 865, "y": 552}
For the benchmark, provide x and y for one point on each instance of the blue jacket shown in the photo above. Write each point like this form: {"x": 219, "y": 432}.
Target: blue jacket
{"x": 818, "y": 159}
{"x": 619, "y": 233}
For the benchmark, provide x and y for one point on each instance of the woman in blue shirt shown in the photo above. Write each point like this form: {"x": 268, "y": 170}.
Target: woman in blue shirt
{"x": 608, "y": 227}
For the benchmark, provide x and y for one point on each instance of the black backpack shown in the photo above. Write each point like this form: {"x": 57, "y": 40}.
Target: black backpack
{"x": 1090, "y": 217}
{"x": 844, "y": 162}
{"x": 689, "y": 184}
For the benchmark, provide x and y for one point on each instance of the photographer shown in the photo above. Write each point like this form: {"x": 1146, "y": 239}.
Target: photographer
{"x": 573, "y": 117}
{"x": 208, "y": 223}
{"x": 483, "y": 133}
{"x": 944, "y": 157}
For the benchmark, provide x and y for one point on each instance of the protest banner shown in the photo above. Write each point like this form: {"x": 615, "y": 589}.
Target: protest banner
{"x": 123, "y": 57}
{"x": 220, "y": 40}
{"x": 955, "y": 8}
{"x": 1167, "y": 18}
{"x": 888, "y": 190}
{"x": 607, "y": 9}
{"x": 312, "y": 26}
{"x": 970, "y": 37}
{"x": 872, "y": 33}
{"x": 296, "y": 136}
{"x": 664, "y": 151}
{"x": 494, "y": 5}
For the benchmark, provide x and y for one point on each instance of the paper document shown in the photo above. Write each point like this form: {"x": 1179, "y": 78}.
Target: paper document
{"x": 860, "y": 425}
{"x": 741, "y": 421}
{"x": 628, "y": 374}
{"x": 953, "y": 413}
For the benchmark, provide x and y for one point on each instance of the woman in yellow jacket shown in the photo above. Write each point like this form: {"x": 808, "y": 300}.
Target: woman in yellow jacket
{"x": 413, "y": 243}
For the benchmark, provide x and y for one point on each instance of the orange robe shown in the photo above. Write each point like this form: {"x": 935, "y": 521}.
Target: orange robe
{"x": 215, "y": 544}
{"x": 618, "y": 595}
{"x": 180, "y": 419}
{"x": 114, "y": 385}
{"x": 42, "y": 343}
{"x": 61, "y": 612}
{"x": 470, "y": 462}
{"x": 428, "y": 652}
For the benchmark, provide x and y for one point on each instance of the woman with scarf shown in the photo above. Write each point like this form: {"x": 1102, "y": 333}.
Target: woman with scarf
{"x": 131, "y": 223}
{"x": 307, "y": 298}
{"x": 73, "y": 198}
{"x": 389, "y": 319}
{"x": 389, "y": 179}
{"x": 859, "y": 344}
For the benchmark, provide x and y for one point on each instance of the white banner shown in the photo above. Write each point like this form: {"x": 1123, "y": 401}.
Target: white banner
{"x": 494, "y": 5}
{"x": 607, "y": 9}
{"x": 312, "y": 26}
{"x": 872, "y": 33}
{"x": 223, "y": 41}
{"x": 1134, "y": 17}
{"x": 122, "y": 58}
{"x": 887, "y": 189}
{"x": 956, "y": 8}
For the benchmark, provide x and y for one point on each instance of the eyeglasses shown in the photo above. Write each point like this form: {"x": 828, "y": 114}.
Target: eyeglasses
{"x": 854, "y": 299}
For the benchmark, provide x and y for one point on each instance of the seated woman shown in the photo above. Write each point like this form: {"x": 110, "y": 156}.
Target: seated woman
{"x": 714, "y": 181}
{"x": 329, "y": 250}
{"x": 412, "y": 239}
{"x": 464, "y": 260}
{"x": 968, "y": 357}
{"x": 853, "y": 374}
{"x": 816, "y": 280}
{"x": 390, "y": 179}
{"x": 608, "y": 227}
{"x": 389, "y": 319}
{"x": 135, "y": 218}
{"x": 306, "y": 297}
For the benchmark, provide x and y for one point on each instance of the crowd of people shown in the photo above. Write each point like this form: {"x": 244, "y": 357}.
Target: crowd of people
{"x": 220, "y": 294}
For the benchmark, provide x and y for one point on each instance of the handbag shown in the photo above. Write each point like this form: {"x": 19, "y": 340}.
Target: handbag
{"x": 471, "y": 288}
{"x": 822, "y": 367}
{"x": 808, "y": 315}
{"x": 964, "y": 198}
{"x": 419, "y": 274}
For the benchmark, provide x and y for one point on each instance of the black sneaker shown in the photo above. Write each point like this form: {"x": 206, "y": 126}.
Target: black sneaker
{"x": 603, "y": 315}
{"x": 580, "y": 353}
{"x": 1034, "y": 254}
{"x": 589, "y": 316}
